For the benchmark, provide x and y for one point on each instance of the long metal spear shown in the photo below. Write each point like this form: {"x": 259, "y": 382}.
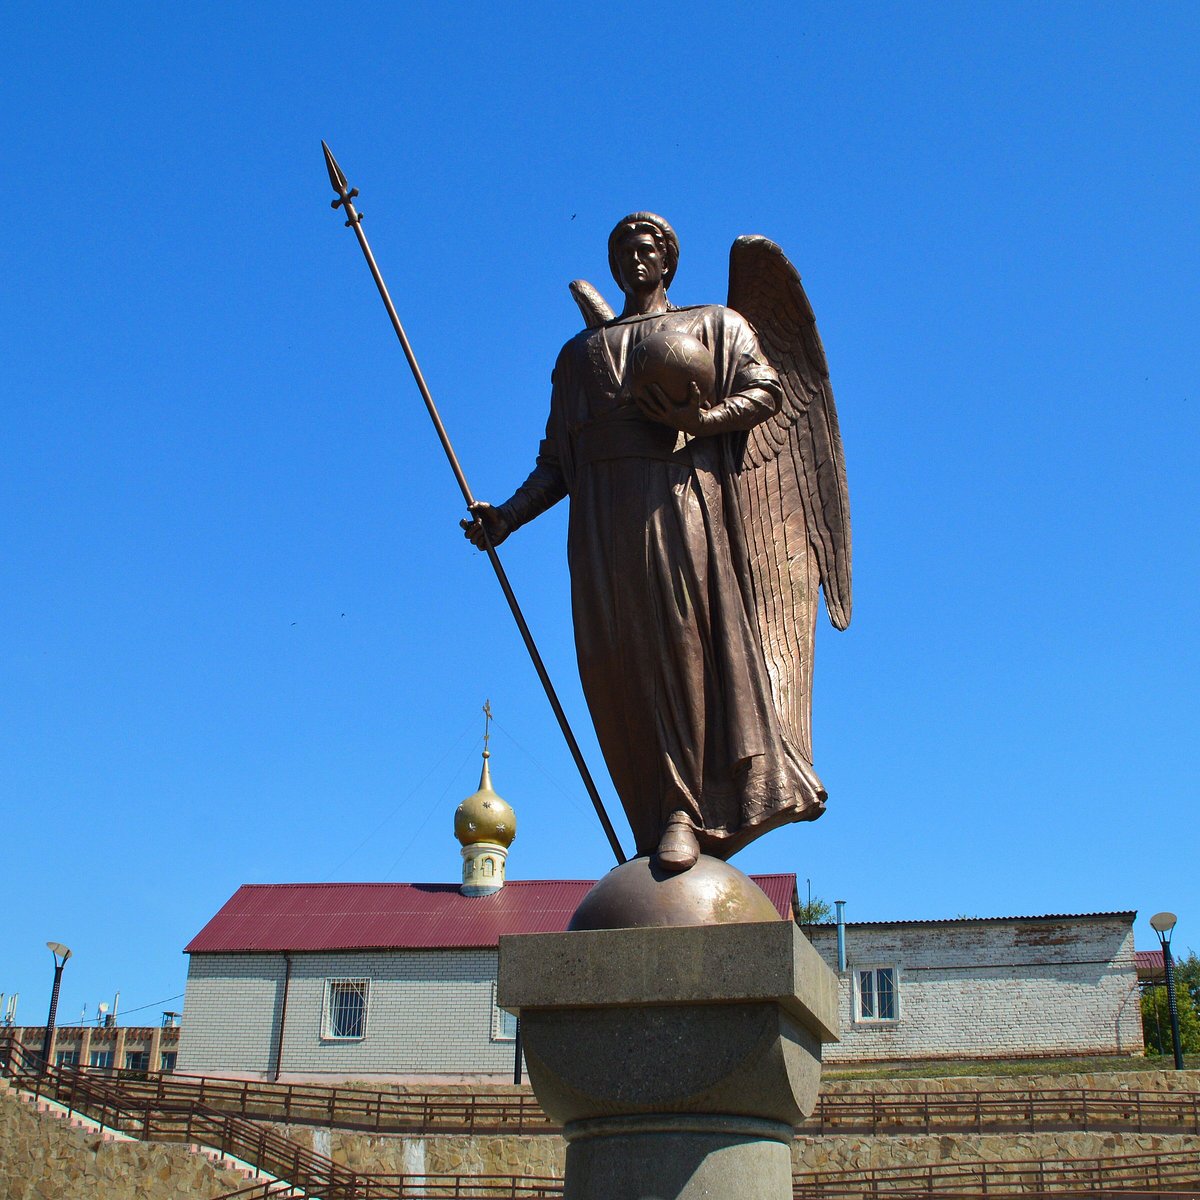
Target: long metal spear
{"x": 345, "y": 199}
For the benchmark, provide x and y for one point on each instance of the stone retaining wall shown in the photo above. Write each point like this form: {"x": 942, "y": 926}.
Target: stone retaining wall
{"x": 44, "y": 1158}
{"x": 842, "y": 1152}
{"x": 543, "y": 1155}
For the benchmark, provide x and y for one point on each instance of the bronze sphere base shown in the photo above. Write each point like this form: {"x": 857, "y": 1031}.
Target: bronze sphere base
{"x": 640, "y": 895}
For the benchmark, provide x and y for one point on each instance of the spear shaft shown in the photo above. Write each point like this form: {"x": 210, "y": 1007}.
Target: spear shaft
{"x": 345, "y": 201}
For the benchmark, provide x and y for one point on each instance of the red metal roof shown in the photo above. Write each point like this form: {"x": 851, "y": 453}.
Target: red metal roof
{"x": 267, "y": 917}
{"x": 1150, "y": 961}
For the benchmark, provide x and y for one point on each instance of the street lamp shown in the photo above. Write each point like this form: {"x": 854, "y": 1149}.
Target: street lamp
{"x": 1163, "y": 924}
{"x": 61, "y": 954}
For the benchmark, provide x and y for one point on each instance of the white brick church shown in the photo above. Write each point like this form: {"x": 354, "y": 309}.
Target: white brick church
{"x": 357, "y": 980}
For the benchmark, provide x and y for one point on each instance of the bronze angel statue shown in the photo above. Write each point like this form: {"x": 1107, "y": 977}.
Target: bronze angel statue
{"x": 700, "y": 450}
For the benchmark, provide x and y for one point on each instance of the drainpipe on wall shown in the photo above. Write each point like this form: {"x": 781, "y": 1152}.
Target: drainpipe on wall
{"x": 840, "y": 905}
{"x": 287, "y": 979}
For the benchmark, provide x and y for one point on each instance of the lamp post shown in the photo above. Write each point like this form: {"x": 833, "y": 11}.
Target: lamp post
{"x": 61, "y": 954}
{"x": 1163, "y": 924}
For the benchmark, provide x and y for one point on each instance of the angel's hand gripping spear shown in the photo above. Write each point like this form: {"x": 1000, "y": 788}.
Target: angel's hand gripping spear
{"x": 345, "y": 198}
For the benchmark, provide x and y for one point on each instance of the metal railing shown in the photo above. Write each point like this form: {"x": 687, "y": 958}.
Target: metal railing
{"x": 1140, "y": 1173}
{"x": 270, "y": 1189}
{"x": 421, "y": 1187}
{"x": 1001, "y": 1110}
{"x": 172, "y": 1119}
{"x": 154, "y": 1109}
{"x": 336, "y": 1107}
{"x": 991, "y": 1111}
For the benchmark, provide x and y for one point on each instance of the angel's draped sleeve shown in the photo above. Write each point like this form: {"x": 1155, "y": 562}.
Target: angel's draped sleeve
{"x": 755, "y": 392}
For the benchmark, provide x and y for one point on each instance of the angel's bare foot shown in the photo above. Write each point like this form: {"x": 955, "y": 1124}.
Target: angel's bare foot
{"x": 678, "y": 848}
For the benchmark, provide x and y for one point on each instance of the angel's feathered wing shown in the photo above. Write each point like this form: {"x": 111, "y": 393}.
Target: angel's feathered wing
{"x": 593, "y": 307}
{"x": 795, "y": 507}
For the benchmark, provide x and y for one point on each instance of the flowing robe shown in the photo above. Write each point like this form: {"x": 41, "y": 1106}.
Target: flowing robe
{"x": 665, "y": 631}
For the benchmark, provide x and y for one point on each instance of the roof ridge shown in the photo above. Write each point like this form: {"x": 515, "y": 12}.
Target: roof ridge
{"x": 391, "y": 883}
{"x": 343, "y": 883}
{"x": 1131, "y": 913}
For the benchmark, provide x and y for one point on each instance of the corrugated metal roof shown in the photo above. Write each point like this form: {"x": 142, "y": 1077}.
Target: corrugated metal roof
{"x": 1149, "y": 960}
{"x": 267, "y": 917}
{"x": 1128, "y": 916}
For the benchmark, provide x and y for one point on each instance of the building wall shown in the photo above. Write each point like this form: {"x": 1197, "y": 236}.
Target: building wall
{"x": 428, "y": 1012}
{"x": 982, "y": 989}
{"x": 231, "y": 1009}
{"x": 78, "y": 1043}
{"x": 991, "y": 989}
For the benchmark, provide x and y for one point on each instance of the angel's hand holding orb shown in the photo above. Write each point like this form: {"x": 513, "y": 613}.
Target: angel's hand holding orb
{"x": 671, "y": 377}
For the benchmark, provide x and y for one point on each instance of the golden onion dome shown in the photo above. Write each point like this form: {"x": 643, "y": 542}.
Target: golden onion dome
{"x": 483, "y": 816}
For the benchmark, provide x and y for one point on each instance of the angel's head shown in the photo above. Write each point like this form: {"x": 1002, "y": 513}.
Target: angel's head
{"x": 642, "y": 252}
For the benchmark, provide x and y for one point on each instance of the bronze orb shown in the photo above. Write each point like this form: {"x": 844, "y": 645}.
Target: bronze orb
{"x": 674, "y": 361}
{"x": 640, "y": 895}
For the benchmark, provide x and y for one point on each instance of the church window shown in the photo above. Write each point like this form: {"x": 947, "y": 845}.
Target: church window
{"x": 346, "y": 1008}
{"x": 877, "y": 994}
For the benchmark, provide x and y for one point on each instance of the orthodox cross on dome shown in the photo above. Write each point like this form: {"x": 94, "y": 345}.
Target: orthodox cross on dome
{"x": 487, "y": 727}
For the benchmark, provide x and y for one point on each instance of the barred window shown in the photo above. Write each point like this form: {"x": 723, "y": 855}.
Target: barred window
{"x": 346, "y": 1007}
{"x": 877, "y": 994}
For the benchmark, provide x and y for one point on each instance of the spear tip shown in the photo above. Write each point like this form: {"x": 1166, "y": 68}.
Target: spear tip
{"x": 336, "y": 179}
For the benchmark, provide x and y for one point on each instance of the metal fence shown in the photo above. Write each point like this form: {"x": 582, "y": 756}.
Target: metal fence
{"x": 231, "y": 1117}
{"x": 1131, "y": 1173}
{"x": 996, "y": 1110}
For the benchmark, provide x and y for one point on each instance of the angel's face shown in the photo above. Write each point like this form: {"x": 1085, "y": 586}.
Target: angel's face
{"x": 640, "y": 263}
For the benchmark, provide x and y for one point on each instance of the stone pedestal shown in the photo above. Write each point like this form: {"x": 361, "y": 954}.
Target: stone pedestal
{"x": 677, "y": 1059}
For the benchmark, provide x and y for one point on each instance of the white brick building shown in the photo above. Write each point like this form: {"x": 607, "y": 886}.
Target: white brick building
{"x": 427, "y": 1012}
{"x": 359, "y": 980}
{"x": 355, "y": 980}
{"x": 993, "y": 987}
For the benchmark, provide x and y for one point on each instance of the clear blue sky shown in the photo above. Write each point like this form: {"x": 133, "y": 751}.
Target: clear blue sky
{"x": 243, "y": 639}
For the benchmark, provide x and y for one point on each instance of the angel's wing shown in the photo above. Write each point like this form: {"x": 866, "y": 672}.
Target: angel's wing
{"x": 793, "y": 479}
{"x": 592, "y": 305}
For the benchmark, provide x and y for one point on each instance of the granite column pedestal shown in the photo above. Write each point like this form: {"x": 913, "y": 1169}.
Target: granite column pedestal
{"x": 677, "y": 1059}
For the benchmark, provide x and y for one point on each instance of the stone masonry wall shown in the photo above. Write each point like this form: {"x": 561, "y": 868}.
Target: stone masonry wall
{"x": 44, "y": 1158}
{"x": 990, "y": 989}
{"x": 428, "y": 1012}
{"x": 856, "y": 1152}
{"x": 543, "y": 1155}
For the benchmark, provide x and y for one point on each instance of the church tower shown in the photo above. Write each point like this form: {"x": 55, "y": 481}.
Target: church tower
{"x": 485, "y": 825}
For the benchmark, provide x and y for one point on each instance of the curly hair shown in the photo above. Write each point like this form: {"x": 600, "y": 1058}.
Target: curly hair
{"x": 659, "y": 229}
